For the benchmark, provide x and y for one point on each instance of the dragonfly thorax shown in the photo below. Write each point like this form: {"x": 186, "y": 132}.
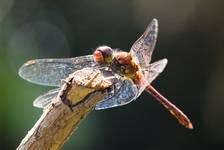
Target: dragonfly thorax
{"x": 124, "y": 64}
{"x": 119, "y": 62}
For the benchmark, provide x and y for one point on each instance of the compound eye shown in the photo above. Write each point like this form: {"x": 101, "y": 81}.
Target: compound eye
{"x": 106, "y": 50}
{"x": 98, "y": 57}
{"x": 103, "y": 54}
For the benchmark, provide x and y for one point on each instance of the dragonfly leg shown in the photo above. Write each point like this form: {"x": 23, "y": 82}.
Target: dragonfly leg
{"x": 114, "y": 89}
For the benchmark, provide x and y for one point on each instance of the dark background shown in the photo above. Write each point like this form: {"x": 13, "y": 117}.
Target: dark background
{"x": 190, "y": 36}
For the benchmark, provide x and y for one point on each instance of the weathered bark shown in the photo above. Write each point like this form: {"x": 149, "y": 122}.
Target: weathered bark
{"x": 58, "y": 122}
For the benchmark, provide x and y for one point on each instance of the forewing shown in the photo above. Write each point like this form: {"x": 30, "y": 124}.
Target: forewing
{"x": 126, "y": 93}
{"x": 155, "y": 69}
{"x": 143, "y": 48}
{"x": 50, "y": 71}
{"x": 45, "y": 99}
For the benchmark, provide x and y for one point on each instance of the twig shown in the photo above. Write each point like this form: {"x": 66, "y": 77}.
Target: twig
{"x": 58, "y": 122}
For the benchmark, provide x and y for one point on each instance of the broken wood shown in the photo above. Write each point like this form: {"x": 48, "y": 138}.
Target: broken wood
{"x": 58, "y": 122}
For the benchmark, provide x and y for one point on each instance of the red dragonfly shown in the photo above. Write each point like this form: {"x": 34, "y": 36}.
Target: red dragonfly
{"x": 133, "y": 72}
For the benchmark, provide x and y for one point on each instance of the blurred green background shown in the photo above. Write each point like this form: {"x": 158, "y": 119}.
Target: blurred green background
{"x": 190, "y": 36}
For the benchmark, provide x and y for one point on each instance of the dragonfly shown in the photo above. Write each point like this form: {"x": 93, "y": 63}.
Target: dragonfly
{"x": 133, "y": 71}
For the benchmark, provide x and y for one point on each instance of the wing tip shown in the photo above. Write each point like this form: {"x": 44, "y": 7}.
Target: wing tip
{"x": 160, "y": 65}
{"x": 23, "y": 67}
{"x": 165, "y": 60}
{"x": 36, "y": 105}
{"x": 155, "y": 23}
{"x": 20, "y": 71}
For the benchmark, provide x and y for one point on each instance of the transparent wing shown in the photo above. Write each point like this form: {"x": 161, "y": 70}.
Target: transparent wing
{"x": 126, "y": 93}
{"x": 155, "y": 69}
{"x": 143, "y": 48}
{"x": 45, "y": 99}
{"x": 50, "y": 71}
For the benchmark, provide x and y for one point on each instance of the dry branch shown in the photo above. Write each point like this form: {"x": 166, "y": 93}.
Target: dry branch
{"x": 58, "y": 122}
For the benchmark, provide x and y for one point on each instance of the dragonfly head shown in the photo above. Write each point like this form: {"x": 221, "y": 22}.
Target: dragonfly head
{"x": 103, "y": 55}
